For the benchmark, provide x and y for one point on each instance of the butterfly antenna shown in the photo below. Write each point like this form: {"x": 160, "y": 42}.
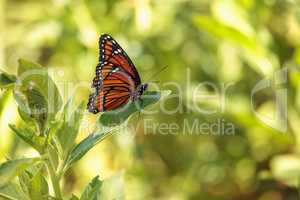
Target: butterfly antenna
{"x": 158, "y": 72}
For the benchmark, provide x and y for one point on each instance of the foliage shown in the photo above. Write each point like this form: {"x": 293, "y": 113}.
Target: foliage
{"x": 52, "y": 134}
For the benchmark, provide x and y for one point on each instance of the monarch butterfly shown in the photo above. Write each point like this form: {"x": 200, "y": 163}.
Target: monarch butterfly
{"x": 117, "y": 80}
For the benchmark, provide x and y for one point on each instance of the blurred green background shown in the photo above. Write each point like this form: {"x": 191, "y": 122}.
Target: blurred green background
{"x": 220, "y": 41}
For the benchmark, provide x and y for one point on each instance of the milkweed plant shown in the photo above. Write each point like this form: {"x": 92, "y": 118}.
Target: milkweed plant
{"x": 50, "y": 127}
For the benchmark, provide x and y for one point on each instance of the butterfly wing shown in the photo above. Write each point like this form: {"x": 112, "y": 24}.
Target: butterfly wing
{"x": 112, "y": 52}
{"x": 116, "y": 77}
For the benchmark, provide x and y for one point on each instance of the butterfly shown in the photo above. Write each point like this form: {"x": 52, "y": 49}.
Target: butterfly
{"x": 117, "y": 80}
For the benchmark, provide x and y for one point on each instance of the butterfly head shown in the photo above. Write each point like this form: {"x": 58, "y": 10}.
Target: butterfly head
{"x": 139, "y": 91}
{"x": 143, "y": 88}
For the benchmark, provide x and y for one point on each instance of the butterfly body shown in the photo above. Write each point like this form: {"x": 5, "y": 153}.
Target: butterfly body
{"x": 139, "y": 92}
{"x": 117, "y": 80}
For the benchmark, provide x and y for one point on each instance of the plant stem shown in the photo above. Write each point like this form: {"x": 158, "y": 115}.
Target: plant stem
{"x": 54, "y": 179}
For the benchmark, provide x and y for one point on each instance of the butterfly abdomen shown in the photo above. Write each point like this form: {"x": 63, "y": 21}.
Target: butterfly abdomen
{"x": 91, "y": 105}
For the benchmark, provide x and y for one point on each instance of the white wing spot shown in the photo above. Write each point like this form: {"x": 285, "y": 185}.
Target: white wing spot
{"x": 116, "y": 69}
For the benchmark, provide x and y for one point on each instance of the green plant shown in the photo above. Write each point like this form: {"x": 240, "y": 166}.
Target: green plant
{"x": 51, "y": 129}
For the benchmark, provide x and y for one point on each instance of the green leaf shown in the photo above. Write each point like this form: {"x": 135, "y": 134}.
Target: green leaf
{"x": 28, "y": 136}
{"x": 23, "y": 106}
{"x": 26, "y": 175}
{"x": 24, "y": 180}
{"x": 116, "y": 117}
{"x": 25, "y": 66}
{"x": 38, "y": 187}
{"x": 12, "y": 168}
{"x": 7, "y": 80}
{"x": 32, "y": 74}
{"x": 54, "y": 126}
{"x": 91, "y": 192}
{"x": 53, "y": 155}
{"x": 25, "y": 116}
{"x": 34, "y": 184}
{"x": 86, "y": 144}
{"x": 13, "y": 191}
{"x": 32, "y": 104}
{"x": 68, "y": 131}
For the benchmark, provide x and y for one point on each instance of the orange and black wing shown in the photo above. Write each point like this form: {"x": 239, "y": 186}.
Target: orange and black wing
{"x": 116, "y": 77}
